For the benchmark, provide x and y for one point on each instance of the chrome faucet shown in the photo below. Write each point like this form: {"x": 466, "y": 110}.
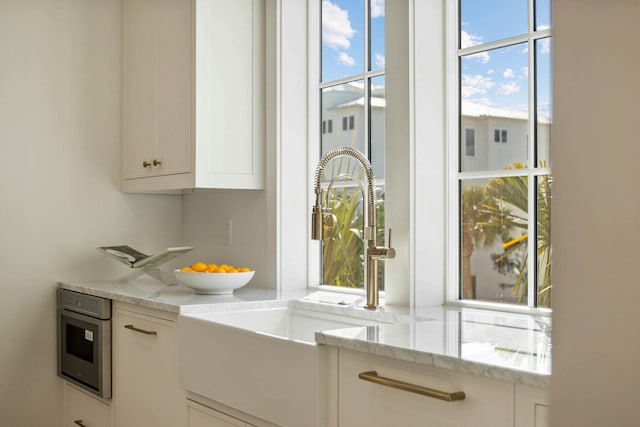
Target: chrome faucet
{"x": 374, "y": 252}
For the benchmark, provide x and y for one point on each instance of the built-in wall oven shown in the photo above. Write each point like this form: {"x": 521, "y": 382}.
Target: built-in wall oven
{"x": 84, "y": 341}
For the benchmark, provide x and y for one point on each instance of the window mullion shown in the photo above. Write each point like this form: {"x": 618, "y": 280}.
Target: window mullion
{"x": 367, "y": 80}
{"x": 532, "y": 154}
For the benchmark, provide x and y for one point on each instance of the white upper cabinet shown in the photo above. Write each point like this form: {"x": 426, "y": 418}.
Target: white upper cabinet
{"x": 193, "y": 97}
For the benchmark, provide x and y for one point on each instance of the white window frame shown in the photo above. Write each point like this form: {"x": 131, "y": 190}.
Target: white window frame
{"x": 454, "y": 177}
{"x": 315, "y": 86}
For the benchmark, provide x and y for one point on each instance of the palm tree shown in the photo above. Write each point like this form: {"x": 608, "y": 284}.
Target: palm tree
{"x": 477, "y": 230}
{"x": 507, "y": 204}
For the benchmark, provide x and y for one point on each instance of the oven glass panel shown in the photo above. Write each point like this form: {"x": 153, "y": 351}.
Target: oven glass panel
{"x": 80, "y": 342}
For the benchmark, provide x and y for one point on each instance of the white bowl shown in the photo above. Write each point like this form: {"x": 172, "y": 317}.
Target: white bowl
{"x": 213, "y": 283}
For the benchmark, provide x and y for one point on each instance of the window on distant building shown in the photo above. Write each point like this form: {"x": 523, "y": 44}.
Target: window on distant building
{"x": 502, "y": 61}
{"x": 352, "y": 83}
{"x": 470, "y": 142}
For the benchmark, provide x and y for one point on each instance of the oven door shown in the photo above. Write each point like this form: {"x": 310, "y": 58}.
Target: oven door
{"x": 84, "y": 351}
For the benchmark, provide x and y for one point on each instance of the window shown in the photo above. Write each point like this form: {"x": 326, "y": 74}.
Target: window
{"x": 500, "y": 135}
{"x": 470, "y": 142}
{"x": 504, "y": 191}
{"x": 351, "y": 85}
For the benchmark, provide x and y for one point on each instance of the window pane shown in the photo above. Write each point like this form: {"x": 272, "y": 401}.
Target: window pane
{"x": 543, "y": 14}
{"x": 377, "y": 112}
{"x": 544, "y": 241}
{"x": 493, "y": 246}
{"x": 342, "y": 246}
{"x": 543, "y": 100}
{"x": 339, "y": 102}
{"x": 342, "y": 38}
{"x": 483, "y": 21}
{"x": 493, "y": 90}
{"x": 377, "y": 34}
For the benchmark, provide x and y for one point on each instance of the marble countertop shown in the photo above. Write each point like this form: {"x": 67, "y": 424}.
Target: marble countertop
{"x": 176, "y": 298}
{"x": 504, "y": 346}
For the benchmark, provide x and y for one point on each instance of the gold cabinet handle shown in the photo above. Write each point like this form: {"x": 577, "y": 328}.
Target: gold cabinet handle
{"x": 146, "y": 164}
{"x": 80, "y": 423}
{"x": 156, "y": 162}
{"x": 373, "y": 377}
{"x": 142, "y": 331}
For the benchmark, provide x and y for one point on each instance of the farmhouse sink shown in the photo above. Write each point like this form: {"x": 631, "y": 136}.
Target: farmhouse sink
{"x": 297, "y": 324}
{"x": 264, "y": 361}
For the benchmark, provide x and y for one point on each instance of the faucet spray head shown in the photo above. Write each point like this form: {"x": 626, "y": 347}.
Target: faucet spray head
{"x": 316, "y": 217}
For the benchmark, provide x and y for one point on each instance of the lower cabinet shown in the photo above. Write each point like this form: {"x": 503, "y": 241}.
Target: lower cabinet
{"x": 202, "y": 416}
{"x": 487, "y": 402}
{"x": 146, "y": 385}
{"x": 82, "y": 409}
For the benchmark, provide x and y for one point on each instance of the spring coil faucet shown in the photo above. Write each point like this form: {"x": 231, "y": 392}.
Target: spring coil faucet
{"x": 374, "y": 252}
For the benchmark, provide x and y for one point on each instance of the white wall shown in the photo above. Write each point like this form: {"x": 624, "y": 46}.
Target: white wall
{"x": 59, "y": 197}
{"x": 596, "y": 211}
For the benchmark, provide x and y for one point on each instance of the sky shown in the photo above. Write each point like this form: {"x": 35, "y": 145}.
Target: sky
{"x": 497, "y": 78}
{"x": 343, "y": 37}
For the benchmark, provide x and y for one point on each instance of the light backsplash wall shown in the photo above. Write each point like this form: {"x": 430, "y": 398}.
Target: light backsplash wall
{"x": 59, "y": 197}
{"x": 204, "y": 215}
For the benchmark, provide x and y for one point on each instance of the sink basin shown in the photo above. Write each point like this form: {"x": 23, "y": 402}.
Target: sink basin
{"x": 291, "y": 323}
{"x": 264, "y": 361}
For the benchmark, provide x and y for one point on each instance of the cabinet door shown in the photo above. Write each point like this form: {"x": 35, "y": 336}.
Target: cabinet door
{"x": 230, "y": 93}
{"x": 202, "y": 416}
{"x": 146, "y": 384}
{"x": 84, "y": 410}
{"x": 532, "y": 406}
{"x": 157, "y": 92}
{"x": 487, "y": 402}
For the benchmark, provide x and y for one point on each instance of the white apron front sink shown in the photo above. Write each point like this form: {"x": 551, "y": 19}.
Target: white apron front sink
{"x": 264, "y": 361}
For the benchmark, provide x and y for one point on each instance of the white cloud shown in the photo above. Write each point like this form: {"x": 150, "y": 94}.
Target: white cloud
{"x": 478, "y": 84}
{"x": 508, "y": 88}
{"x": 546, "y": 45}
{"x": 336, "y": 27}
{"x": 345, "y": 59}
{"x": 525, "y": 71}
{"x": 481, "y": 56}
{"x": 380, "y": 60}
{"x": 377, "y": 8}
{"x": 508, "y": 73}
{"x": 468, "y": 40}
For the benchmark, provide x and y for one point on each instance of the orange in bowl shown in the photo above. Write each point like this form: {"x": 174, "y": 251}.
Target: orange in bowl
{"x": 213, "y": 279}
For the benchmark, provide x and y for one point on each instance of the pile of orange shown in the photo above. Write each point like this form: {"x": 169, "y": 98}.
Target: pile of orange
{"x": 201, "y": 267}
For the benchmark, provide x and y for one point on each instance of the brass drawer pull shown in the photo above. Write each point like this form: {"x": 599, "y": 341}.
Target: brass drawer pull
{"x": 413, "y": 388}
{"x": 142, "y": 331}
